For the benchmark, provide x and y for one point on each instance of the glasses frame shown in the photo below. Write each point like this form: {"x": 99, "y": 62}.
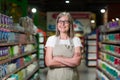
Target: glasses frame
{"x": 63, "y": 22}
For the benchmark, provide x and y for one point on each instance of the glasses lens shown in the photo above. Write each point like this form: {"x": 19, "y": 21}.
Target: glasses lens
{"x": 65, "y": 22}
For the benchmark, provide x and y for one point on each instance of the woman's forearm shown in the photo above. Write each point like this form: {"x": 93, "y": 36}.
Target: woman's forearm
{"x": 60, "y": 60}
{"x": 72, "y": 62}
{"x": 49, "y": 59}
{"x": 55, "y": 63}
{"x": 63, "y": 61}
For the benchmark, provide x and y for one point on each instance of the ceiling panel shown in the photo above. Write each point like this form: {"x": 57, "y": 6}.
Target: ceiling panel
{"x": 75, "y": 5}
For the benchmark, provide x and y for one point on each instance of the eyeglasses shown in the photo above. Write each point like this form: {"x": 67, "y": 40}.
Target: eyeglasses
{"x": 65, "y": 22}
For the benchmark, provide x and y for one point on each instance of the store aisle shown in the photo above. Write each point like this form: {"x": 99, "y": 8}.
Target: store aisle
{"x": 88, "y": 75}
{"x": 84, "y": 72}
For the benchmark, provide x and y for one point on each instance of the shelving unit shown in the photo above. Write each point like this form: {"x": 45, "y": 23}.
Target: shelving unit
{"x": 108, "y": 62}
{"x": 41, "y": 39}
{"x": 18, "y": 52}
{"x": 10, "y": 59}
{"x": 91, "y": 49}
{"x": 81, "y": 36}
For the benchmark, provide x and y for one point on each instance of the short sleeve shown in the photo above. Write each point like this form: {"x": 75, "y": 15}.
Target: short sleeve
{"x": 50, "y": 41}
{"x": 77, "y": 42}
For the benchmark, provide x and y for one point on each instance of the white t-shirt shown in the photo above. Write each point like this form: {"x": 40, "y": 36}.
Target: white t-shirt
{"x": 51, "y": 41}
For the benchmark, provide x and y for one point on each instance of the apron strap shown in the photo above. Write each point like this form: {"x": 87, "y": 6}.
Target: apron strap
{"x": 71, "y": 42}
{"x": 57, "y": 40}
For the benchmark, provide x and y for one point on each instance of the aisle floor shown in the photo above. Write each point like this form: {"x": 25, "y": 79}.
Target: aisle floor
{"x": 86, "y": 73}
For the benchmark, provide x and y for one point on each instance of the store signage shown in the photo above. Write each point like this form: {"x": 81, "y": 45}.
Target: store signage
{"x": 81, "y": 19}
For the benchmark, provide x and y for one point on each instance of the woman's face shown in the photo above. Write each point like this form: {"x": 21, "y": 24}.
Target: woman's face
{"x": 63, "y": 24}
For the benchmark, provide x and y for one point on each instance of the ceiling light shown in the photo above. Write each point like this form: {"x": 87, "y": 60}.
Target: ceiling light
{"x": 67, "y": 1}
{"x": 117, "y": 19}
{"x": 92, "y": 21}
{"x": 34, "y": 10}
{"x": 113, "y": 20}
{"x": 102, "y": 10}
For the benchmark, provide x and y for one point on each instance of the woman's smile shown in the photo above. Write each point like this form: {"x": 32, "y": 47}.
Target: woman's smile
{"x": 63, "y": 24}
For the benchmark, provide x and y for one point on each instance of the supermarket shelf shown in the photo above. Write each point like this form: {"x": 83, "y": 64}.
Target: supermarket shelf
{"x": 115, "y": 54}
{"x": 113, "y": 29}
{"x": 111, "y": 42}
{"x": 92, "y": 59}
{"x": 15, "y": 57}
{"x": 118, "y": 68}
{"x": 108, "y": 38}
{"x": 92, "y": 52}
{"x": 8, "y": 75}
{"x": 10, "y": 44}
{"x": 106, "y": 73}
{"x": 36, "y": 69}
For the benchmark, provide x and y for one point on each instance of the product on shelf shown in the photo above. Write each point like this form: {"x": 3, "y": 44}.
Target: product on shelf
{"x": 109, "y": 51}
{"x": 91, "y": 49}
{"x": 17, "y": 50}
